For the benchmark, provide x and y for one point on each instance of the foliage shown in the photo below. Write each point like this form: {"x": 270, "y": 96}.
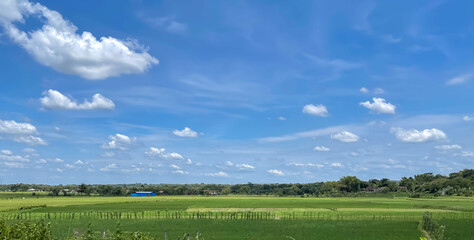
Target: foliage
{"x": 434, "y": 229}
{"x": 25, "y": 230}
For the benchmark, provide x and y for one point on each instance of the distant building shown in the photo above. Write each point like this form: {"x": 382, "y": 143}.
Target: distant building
{"x": 143, "y": 194}
{"x": 210, "y": 192}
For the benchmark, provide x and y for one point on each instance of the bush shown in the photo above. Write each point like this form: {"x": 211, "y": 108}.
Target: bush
{"x": 433, "y": 228}
{"x": 25, "y": 230}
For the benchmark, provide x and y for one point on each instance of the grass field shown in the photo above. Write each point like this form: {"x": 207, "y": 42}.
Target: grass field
{"x": 238, "y": 217}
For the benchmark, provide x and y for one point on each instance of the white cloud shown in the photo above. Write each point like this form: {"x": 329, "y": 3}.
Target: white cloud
{"x": 13, "y": 158}
{"x": 276, "y": 172}
{"x": 119, "y": 141}
{"x": 41, "y": 161}
{"x": 345, "y": 136}
{"x": 19, "y": 132}
{"x": 59, "y": 160}
{"x": 307, "y": 165}
{"x": 175, "y": 166}
{"x": 67, "y": 165}
{"x": 459, "y": 79}
{"x": 79, "y": 162}
{"x": 321, "y": 148}
{"x": 418, "y": 136}
{"x": 467, "y": 154}
{"x": 336, "y": 165}
{"x": 6, "y": 152}
{"x": 160, "y": 153}
{"x": 229, "y": 163}
{"x": 189, "y": 161}
{"x": 55, "y": 100}
{"x": 244, "y": 166}
{"x": 58, "y": 45}
{"x": 14, "y": 128}
{"x": 448, "y": 147}
{"x": 29, "y": 150}
{"x": 108, "y": 167}
{"x": 30, "y": 140}
{"x": 108, "y": 154}
{"x": 59, "y": 170}
{"x": 14, "y": 164}
{"x": 282, "y": 118}
{"x": 319, "y": 110}
{"x": 307, "y": 134}
{"x": 186, "y": 132}
{"x": 180, "y": 172}
{"x": 379, "y": 91}
{"x": 218, "y": 174}
{"x": 379, "y": 106}
{"x": 364, "y": 90}
{"x": 467, "y": 118}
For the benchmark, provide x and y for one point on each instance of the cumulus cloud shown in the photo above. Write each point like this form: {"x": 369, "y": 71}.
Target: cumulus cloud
{"x": 119, "y": 141}
{"x": 448, "y": 147}
{"x": 319, "y": 110}
{"x": 218, "y": 174}
{"x": 108, "y": 167}
{"x": 186, "y": 132}
{"x": 276, "y": 172}
{"x": 161, "y": 153}
{"x": 321, "y": 148}
{"x": 20, "y": 132}
{"x": 379, "y": 106}
{"x": 244, "y": 166}
{"x": 180, "y": 172}
{"x": 467, "y": 118}
{"x": 55, "y": 100}
{"x": 418, "y": 136}
{"x": 364, "y": 90}
{"x": 6, "y": 152}
{"x": 175, "y": 166}
{"x": 13, "y": 158}
{"x": 307, "y": 165}
{"x": 345, "y": 136}
{"x": 12, "y": 127}
{"x": 336, "y": 164}
{"x": 58, "y": 45}
{"x": 30, "y": 140}
{"x": 379, "y": 91}
{"x": 14, "y": 165}
{"x": 459, "y": 79}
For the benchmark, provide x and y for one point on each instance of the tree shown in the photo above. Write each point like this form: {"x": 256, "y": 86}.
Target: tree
{"x": 349, "y": 184}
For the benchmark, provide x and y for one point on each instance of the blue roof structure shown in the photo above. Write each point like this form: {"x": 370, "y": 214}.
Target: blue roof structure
{"x": 143, "y": 194}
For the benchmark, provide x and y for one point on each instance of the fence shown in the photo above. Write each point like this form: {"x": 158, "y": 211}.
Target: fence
{"x": 238, "y": 215}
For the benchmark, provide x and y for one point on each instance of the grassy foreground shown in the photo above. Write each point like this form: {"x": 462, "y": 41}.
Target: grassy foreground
{"x": 243, "y": 217}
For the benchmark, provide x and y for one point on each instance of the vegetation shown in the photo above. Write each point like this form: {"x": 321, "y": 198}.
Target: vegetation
{"x": 460, "y": 184}
{"x": 384, "y": 209}
{"x": 432, "y": 227}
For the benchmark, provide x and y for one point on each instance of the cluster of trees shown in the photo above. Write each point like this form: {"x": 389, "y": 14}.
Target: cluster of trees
{"x": 458, "y": 183}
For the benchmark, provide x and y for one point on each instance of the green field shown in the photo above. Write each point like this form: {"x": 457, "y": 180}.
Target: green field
{"x": 246, "y": 217}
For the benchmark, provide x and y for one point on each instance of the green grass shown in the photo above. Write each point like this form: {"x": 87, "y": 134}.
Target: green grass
{"x": 330, "y": 218}
{"x": 254, "y": 229}
{"x": 458, "y": 229}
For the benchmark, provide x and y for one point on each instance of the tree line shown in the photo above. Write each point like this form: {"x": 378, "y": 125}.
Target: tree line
{"x": 458, "y": 183}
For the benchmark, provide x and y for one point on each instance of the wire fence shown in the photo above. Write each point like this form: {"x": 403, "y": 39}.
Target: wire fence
{"x": 249, "y": 215}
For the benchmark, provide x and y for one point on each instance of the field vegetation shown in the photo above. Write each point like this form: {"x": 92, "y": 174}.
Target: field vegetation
{"x": 447, "y": 213}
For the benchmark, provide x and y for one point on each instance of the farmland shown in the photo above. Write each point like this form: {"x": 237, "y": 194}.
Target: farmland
{"x": 238, "y": 217}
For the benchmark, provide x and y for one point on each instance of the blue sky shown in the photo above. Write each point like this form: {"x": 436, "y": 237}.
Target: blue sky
{"x": 234, "y": 91}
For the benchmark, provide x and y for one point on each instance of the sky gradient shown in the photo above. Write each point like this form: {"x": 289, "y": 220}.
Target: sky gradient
{"x": 234, "y": 91}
